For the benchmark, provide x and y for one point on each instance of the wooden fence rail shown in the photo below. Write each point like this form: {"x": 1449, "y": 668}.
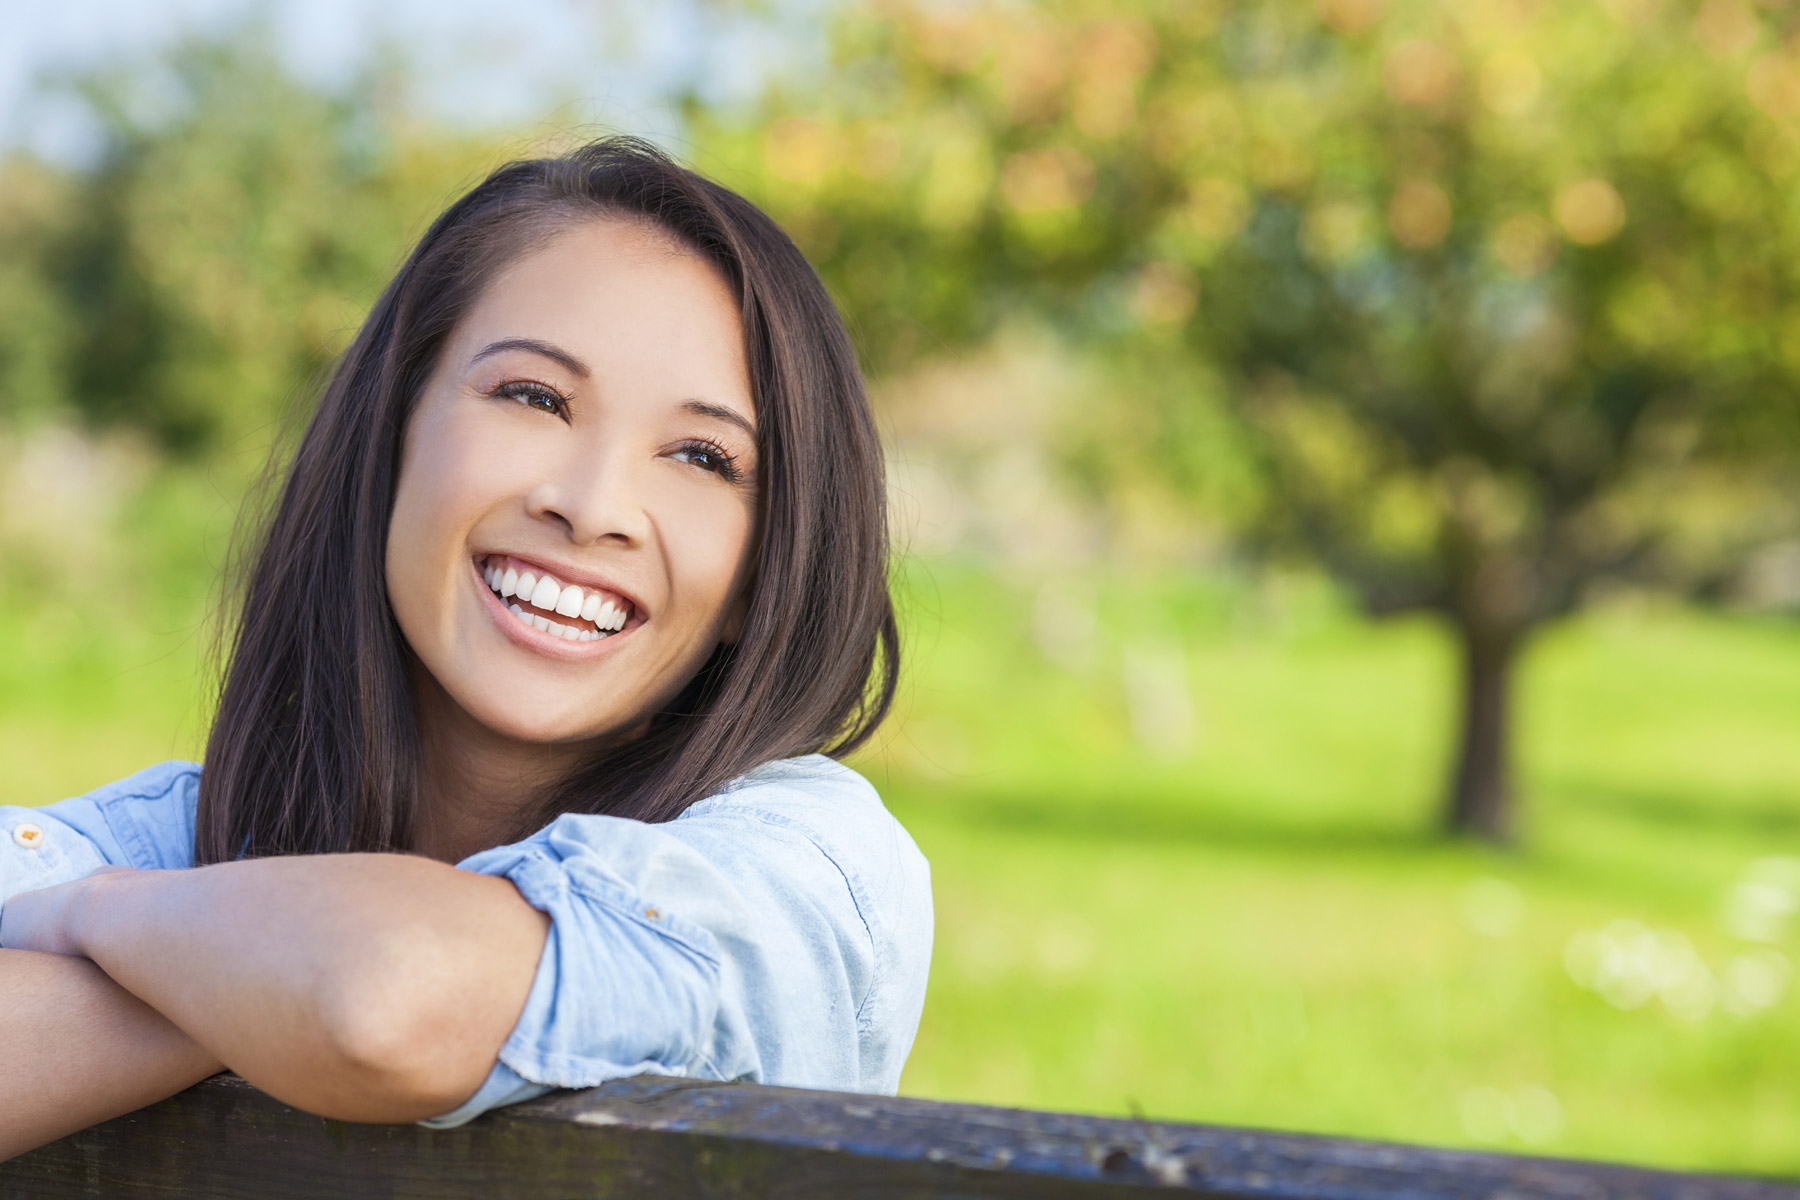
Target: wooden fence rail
{"x": 653, "y": 1138}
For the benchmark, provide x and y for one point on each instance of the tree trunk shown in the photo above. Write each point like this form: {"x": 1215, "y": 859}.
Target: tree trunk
{"x": 1481, "y": 790}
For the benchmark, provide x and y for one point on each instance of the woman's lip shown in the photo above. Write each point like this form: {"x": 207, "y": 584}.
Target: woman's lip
{"x": 529, "y": 637}
{"x": 564, "y": 575}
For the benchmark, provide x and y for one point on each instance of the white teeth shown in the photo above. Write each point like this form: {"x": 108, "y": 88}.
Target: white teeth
{"x": 545, "y": 594}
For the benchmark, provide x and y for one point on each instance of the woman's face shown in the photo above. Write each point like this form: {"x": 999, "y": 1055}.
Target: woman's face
{"x": 576, "y": 506}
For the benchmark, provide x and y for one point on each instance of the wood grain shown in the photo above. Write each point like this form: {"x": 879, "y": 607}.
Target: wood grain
{"x": 651, "y": 1138}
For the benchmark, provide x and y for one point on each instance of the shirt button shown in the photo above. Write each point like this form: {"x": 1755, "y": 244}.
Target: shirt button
{"x": 28, "y": 835}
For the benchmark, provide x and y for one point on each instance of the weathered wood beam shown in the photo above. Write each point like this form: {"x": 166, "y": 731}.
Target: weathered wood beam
{"x": 652, "y": 1138}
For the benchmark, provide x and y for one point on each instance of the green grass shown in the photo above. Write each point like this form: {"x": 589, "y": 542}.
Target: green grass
{"x": 1266, "y": 931}
{"x": 1185, "y": 864}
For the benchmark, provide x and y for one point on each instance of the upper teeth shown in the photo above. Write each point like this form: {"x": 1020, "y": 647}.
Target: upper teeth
{"x": 543, "y": 592}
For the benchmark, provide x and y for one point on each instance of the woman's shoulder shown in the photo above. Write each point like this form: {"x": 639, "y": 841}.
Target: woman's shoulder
{"x": 819, "y": 797}
{"x": 176, "y": 779}
{"x": 811, "y": 781}
{"x": 837, "y": 813}
{"x": 806, "y": 827}
{"x": 144, "y": 820}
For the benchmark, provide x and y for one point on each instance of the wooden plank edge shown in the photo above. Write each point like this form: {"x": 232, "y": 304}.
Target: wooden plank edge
{"x": 653, "y": 1136}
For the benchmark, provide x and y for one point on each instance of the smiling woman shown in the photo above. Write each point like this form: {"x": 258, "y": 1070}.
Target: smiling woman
{"x": 629, "y": 485}
{"x": 522, "y": 775}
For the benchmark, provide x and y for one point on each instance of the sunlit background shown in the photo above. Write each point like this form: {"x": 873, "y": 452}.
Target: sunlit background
{"x": 1346, "y": 457}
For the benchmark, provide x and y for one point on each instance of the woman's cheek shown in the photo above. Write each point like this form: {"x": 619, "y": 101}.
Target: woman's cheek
{"x": 728, "y": 554}
{"x": 429, "y": 526}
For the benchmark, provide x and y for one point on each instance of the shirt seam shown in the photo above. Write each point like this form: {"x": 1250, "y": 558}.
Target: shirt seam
{"x": 577, "y": 1067}
{"x": 131, "y": 833}
{"x": 857, "y": 900}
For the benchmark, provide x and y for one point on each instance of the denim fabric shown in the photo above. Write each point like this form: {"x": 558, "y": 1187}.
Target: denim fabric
{"x": 779, "y": 931}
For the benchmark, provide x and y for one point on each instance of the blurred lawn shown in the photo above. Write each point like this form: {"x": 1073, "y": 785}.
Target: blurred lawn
{"x": 1259, "y": 929}
{"x": 1265, "y": 933}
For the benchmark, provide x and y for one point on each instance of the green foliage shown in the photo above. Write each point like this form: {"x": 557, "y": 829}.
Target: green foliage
{"x": 36, "y": 325}
{"x": 1499, "y": 299}
{"x": 197, "y": 280}
{"x": 1502, "y": 295}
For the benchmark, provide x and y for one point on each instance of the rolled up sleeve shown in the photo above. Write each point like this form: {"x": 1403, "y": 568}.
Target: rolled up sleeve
{"x": 145, "y": 820}
{"x": 40, "y": 851}
{"x": 731, "y": 943}
{"x": 622, "y": 987}
{"x": 625, "y": 984}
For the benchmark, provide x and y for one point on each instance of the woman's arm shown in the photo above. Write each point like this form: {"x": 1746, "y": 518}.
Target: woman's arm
{"x": 365, "y": 987}
{"x": 79, "y": 1049}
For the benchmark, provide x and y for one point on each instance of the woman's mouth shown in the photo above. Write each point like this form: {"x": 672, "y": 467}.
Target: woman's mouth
{"x": 563, "y": 610}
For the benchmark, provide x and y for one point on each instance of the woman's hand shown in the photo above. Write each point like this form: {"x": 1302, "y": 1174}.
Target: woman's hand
{"x": 44, "y": 919}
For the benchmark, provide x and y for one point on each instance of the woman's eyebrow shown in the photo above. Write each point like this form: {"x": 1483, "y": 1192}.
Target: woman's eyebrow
{"x": 719, "y": 412}
{"x": 549, "y": 350}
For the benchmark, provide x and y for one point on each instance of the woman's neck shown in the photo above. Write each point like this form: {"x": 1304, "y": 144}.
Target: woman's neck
{"x": 473, "y": 781}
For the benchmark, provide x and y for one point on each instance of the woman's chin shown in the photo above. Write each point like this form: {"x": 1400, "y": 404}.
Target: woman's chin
{"x": 523, "y": 721}
{"x": 546, "y": 733}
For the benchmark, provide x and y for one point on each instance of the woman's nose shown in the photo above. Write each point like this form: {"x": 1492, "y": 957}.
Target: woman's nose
{"x": 593, "y": 498}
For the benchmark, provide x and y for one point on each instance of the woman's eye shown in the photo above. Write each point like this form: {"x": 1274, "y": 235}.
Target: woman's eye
{"x": 707, "y": 458}
{"x": 534, "y": 395}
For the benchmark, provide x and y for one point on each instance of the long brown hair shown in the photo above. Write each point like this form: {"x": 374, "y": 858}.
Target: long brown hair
{"x": 316, "y": 744}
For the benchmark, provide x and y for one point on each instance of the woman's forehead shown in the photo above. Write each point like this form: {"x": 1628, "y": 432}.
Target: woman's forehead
{"x": 620, "y": 303}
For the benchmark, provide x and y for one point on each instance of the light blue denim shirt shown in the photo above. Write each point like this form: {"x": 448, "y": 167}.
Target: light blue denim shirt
{"x": 779, "y": 931}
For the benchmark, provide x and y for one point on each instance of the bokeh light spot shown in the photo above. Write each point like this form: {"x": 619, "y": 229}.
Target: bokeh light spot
{"x": 1047, "y": 180}
{"x": 1510, "y": 83}
{"x": 1350, "y": 16}
{"x": 1164, "y": 294}
{"x": 1590, "y": 211}
{"x": 1420, "y": 72}
{"x": 1419, "y": 214}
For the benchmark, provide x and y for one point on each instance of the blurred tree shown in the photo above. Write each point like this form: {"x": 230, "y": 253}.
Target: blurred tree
{"x": 222, "y": 249}
{"x": 36, "y": 326}
{"x": 1500, "y": 298}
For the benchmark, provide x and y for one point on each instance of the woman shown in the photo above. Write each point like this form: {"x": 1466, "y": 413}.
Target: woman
{"x": 519, "y": 775}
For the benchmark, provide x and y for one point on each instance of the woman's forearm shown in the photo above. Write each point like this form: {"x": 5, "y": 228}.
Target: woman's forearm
{"x": 79, "y": 1049}
{"x": 370, "y": 987}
